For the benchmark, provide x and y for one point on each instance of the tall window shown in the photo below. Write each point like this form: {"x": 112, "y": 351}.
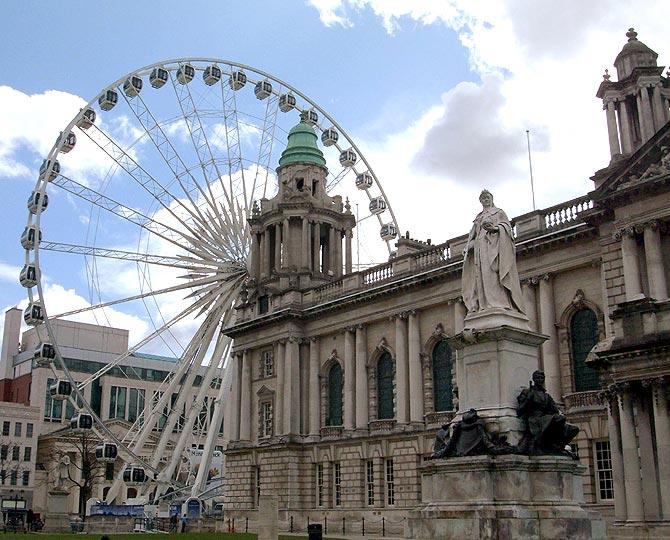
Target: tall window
{"x": 604, "y": 471}
{"x": 370, "y": 482}
{"x": 16, "y": 453}
{"x": 385, "y": 387}
{"x": 390, "y": 485}
{"x": 27, "y": 451}
{"x": 443, "y": 395}
{"x": 109, "y": 471}
{"x": 135, "y": 404}
{"x": 12, "y": 478}
{"x": 319, "y": 484}
{"x": 335, "y": 384}
{"x": 117, "y": 402}
{"x": 25, "y": 479}
{"x": 266, "y": 419}
{"x": 29, "y": 430}
{"x": 583, "y": 336}
{"x": 5, "y": 428}
{"x": 53, "y": 409}
{"x": 267, "y": 363}
{"x": 18, "y": 427}
{"x": 337, "y": 484}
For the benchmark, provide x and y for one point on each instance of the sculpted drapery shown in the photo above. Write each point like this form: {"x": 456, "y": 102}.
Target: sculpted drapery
{"x": 490, "y": 278}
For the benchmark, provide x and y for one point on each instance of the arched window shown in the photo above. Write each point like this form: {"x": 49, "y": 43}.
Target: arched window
{"x": 443, "y": 394}
{"x": 385, "y": 387}
{"x": 334, "y": 417}
{"x": 131, "y": 493}
{"x": 583, "y": 336}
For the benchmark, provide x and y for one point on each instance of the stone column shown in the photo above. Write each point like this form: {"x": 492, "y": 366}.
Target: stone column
{"x": 415, "y": 382}
{"x": 631, "y": 264}
{"x": 646, "y": 113}
{"x": 332, "y": 257}
{"x": 460, "y": 312}
{"x": 528, "y": 290}
{"x": 338, "y": 253}
{"x": 614, "y": 429}
{"x": 255, "y": 256}
{"x": 361, "y": 379}
{"x": 550, "y": 360}
{"x": 631, "y": 458}
{"x": 314, "y": 388}
{"x": 624, "y": 121}
{"x": 647, "y": 461}
{"x": 287, "y": 259}
{"x": 305, "y": 243}
{"x": 662, "y": 432}
{"x": 235, "y": 398}
{"x": 279, "y": 401}
{"x": 265, "y": 268}
{"x": 658, "y": 288}
{"x": 401, "y": 368}
{"x": 349, "y": 379}
{"x": 348, "y": 267}
{"x": 612, "y": 127}
{"x": 316, "y": 248}
{"x": 278, "y": 242}
{"x": 245, "y": 398}
{"x": 292, "y": 387}
{"x": 659, "y": 114}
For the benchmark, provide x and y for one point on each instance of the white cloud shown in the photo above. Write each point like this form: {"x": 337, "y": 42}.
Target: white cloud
{"x": 540, "y": 64}
{"x": 9, "y": 272}
{"x": 32, "y": 122}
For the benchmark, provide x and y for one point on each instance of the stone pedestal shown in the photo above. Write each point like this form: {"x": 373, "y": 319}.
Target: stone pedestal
{"x": 503, "y": 498}
{"x": 268, "y": 521}
{"x": 493, "y": 366}
{"x": 57, "y": 517}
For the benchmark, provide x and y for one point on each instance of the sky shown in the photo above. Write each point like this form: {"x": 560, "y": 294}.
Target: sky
{"x": 437, "y": 95}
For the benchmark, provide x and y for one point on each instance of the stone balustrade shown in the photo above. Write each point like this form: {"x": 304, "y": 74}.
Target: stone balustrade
{"x": 583, "y": 400}
{"x": 525, "y": 228}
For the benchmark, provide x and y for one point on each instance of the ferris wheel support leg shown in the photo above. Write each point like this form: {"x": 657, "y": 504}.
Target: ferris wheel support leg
{"x": 158, "y": 408}
{"x": 212, "y": 434}
{"x": 175, "y": 413}
{"x": 196, "y": 406}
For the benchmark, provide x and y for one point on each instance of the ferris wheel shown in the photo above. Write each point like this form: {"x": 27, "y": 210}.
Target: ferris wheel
{"x": 151, "y": 219}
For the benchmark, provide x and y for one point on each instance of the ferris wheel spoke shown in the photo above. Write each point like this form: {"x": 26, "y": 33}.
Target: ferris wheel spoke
{"x": 198, "y": 135}
{"x": 136, "y": 217}
{"x": 267, "y": 138}
{"x": 108, "y": 145}
{"x": 182, "y": 286}
{"x": 167, "y": 151}
{"x": 233, "y": 146}
{"x": 198, "y": 304}
{"x": 185, "y": 263}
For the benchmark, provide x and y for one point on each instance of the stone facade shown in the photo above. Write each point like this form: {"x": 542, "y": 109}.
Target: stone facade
{"x": 579, "y": 263}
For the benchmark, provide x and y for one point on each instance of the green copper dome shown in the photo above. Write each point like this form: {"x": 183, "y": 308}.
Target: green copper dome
{"x": 302, "y": 147}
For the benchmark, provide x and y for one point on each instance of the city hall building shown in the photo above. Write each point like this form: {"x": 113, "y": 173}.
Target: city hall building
{"x": 342, "y": 378}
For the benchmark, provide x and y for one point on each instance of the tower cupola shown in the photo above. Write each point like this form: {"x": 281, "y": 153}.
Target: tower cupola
{"x": 637, "y": 104}
{"x": 297, "y": 236}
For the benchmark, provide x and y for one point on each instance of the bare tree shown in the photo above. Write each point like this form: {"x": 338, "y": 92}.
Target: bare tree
{"x": 84, "y": 471}
{"x": 11, "y": 463}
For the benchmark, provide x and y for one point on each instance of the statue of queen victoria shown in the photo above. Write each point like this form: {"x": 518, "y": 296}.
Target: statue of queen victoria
{"x": 490, "y": 277}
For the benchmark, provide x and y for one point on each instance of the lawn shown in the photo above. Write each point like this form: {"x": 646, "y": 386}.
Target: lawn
{"x": 135, "y": 536}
